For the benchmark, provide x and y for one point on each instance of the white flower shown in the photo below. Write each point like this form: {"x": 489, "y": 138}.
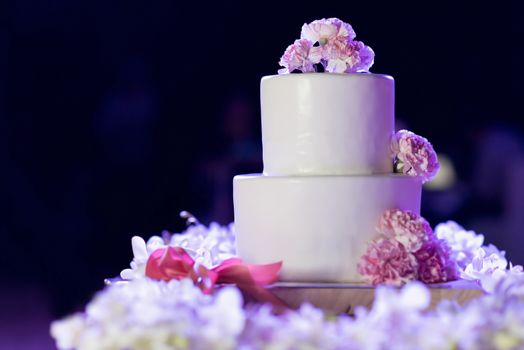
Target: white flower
{"x": 511, "y": 283}
{"x": 305, "y": 329}
{"x": 147, "y": 314}
{"x": 395, "y": 319}
{"x": 140, "y": 255}
{"x": 207, "y": 245}
{"x": 141, "y": 252}
{"x": 463, "y": 243}
{"x": 413, "y": 297}
{"x": 224, "y": 319}
{"x": 485, "y": 264}
{"x": 67, "y": 331}
{"x": 487, "y": 269}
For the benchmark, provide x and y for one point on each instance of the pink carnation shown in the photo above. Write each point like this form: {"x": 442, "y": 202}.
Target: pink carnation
{"x": 348, "y": 58}
{"x": 387, "y": 261}
{"x": 415, "y": 155}
{"x": 328, "y": 31}
{"x": 337, "y": 50}
{"x": 366, "y": 56}
{"x": 434, "y": 262}
{"x": 408, "y": 228}
{"x": 301, "y": 55}
{"x": 406, "y": 250}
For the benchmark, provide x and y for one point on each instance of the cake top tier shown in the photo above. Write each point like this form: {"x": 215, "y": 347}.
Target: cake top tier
{"x": 327, "y": 124}
{"x": 340, "y": 122}
{"x": 327, "y": 45}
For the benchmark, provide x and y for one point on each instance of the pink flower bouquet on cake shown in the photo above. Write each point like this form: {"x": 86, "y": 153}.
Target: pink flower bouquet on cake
{"x": 414, "y": 155}
{"x": 407, "y": 249}
{"x": 329, "y": 45}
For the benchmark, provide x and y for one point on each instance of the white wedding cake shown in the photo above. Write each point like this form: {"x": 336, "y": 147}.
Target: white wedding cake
{"x": 327, "y": 177}
{"x": 330, "y": 156}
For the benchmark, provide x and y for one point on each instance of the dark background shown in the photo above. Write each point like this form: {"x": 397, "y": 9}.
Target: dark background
{"x": 115, "y": 116}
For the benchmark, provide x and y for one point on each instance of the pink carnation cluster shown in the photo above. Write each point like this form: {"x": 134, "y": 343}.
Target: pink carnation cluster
{"x": 406, "y": 227}
{"x": 414, "y": 155}
{"x": 330, "y": 43}
{"x": 302, "y": 56}
{"x": 406, "y": 250}
{"x": 388, "y": 261}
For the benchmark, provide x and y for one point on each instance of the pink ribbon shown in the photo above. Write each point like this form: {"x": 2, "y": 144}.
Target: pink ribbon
{"x": 175, "y": 263}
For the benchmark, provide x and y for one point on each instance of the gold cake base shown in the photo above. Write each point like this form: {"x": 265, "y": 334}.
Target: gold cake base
{"x": 340, "y": 298}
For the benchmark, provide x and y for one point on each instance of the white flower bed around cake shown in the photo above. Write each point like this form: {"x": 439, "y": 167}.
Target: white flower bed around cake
{"x": 151, "y": 314}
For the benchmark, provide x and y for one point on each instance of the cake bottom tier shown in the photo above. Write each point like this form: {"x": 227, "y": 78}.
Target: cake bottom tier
{"x": 318, "y": 226}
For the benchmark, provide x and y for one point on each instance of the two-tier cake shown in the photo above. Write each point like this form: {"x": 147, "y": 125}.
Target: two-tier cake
{"x": 328, "y": 163}
{"x": 328, "y": 175}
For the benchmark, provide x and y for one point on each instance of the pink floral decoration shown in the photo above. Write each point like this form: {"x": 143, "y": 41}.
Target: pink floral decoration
{"x": 328, "y": 31}
{"x": 349, "y": 58}
{"x": 366, "y": 55}
{"x": 407, "y": 249}
{"x": 435, "y": 263}
{"x": 405, "y": 226}
{"x": 331, "y": 43}
{"x": 301, "y": 55}
{"x": 414, "y": 155}
{"x": 387, "y": 261}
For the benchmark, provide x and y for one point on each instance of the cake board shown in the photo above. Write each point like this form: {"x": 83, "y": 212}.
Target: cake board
{"x": 340, "y": 298}
{"x": 337, "y": 298}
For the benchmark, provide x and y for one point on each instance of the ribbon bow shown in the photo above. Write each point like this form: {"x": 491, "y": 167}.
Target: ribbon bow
{"x": 175, "y": 263}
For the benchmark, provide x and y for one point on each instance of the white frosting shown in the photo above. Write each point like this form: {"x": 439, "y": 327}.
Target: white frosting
{"x": 336, "y": 130}
{"x": 319, "y": 226}
{"x": 327, "y": 124}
